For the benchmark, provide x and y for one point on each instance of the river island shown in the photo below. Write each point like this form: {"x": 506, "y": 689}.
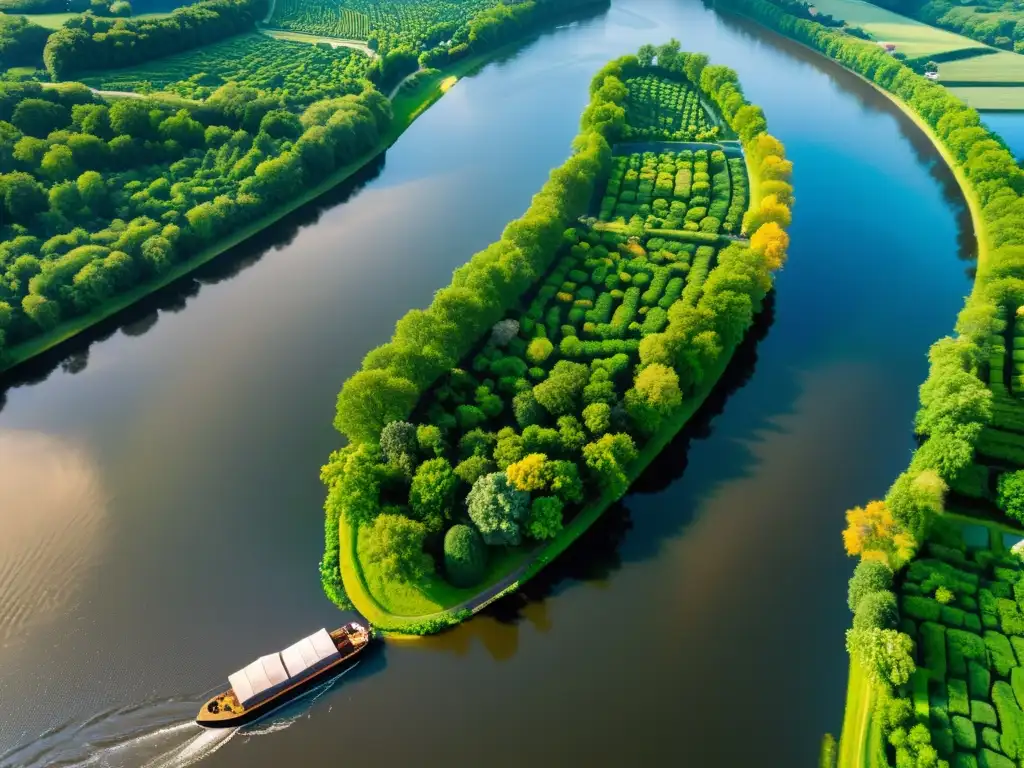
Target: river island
{"x": 500, "y": 422}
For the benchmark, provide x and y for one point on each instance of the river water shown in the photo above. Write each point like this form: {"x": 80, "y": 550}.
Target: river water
{"x": 161, "y": 507}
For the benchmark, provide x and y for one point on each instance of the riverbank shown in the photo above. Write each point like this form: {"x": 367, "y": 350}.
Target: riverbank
{"x": 863, "y": 741}
{"x": 406, "y": 107}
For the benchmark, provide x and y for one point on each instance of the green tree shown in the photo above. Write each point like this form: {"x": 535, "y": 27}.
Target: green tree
{"x": 563, "y": 480}
{"x": 559, "y": 394}
{"x": 371, "y": 399}
{"x": 432, "y": 493}
{"x": 465, "y": 556}
{"x": 877, "y": 609}
{"x": 597, "y": 417}
{"x": 398, "y": 438}
{"x": 41, "y": 311}
{"x": 39, "y": 118}
{"x": 545, "y": 519}
{"x": 528, "y": 474}
{"x": 1010, "y": 494}
{"x": 59, "y": 163}
{"x": 430, "y": 439}
{"x": 498, "y": 509}
{"x": 65, "y": 199}
{"x": 23, "y": 197}
{"x": 526, "y": 409}
{"x": 608, "y": 458}
{"x": 472, "y": 469}
{"x": 869, "y": 576}
{"x": 885, "y": 654}
{"x": 394, "y": 545}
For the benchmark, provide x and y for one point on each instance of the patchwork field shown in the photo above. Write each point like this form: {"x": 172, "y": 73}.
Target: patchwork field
{"x": 962, "y": 602}
{"x": 911, "y": 37}
{"x": 299, "y": 72}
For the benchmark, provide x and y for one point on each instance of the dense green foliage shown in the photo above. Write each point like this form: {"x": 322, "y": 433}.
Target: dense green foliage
{"x": 660, "y": 108}
{"x": 100, "y": 197}
{"x": 92, "y": 43}
{"x": 21, "y": 41}
{"x": 465, "y": 555}
{"x": 296, "y": 74}
{"x": 557, "y": 351}
{"x": 965, "y": 379}
{"x": 995, "y": 22}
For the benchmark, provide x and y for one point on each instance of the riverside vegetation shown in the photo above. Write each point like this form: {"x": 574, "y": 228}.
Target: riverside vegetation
{"x": 937, "y": 641}
{"x": 101, "y": 199}
{"x": 499, "y": 422}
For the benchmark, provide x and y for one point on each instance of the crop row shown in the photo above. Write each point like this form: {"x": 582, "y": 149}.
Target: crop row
{"x": 692, "y": 191}
{"x": 659, "y": 108}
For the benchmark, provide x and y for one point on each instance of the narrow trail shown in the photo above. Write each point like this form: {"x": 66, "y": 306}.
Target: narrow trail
{"x": 402, "y": 82}
{"x": 98, "y": 92}
{"x": 303, "y": 37}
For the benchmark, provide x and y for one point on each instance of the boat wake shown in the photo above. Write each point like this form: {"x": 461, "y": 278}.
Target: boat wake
{"x": 159, "y": 734}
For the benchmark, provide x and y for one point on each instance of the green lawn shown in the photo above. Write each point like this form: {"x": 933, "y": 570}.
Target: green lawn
{"x": 1002, "y": 67}
{"x": 861, "y": 743}
{"x": 911, "y": 37}
{"x": 56, "y": 20}
{"x": 1005, "y": 98}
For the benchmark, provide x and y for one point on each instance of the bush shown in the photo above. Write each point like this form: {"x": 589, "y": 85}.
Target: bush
{"x": 465, "y": 556}
{"x": 1010, "y": 494}
{"x": 989, "y": 759}
{"x": 963, "y": 732}
{"x": 979, "y": 680}
{"x": 921, "y": 608}
{"x": 990, "y": 736}
{"x": 982, "y": 712}
{"x": 959, "y": 704}
{"x": 963, "y": 760}
{"x": 999, "y": 652}
{"x": 952, "y": 617}
{"x": 1011, "y": 720}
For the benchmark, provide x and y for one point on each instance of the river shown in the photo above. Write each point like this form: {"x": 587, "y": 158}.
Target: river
{"x": 162, "y": 511}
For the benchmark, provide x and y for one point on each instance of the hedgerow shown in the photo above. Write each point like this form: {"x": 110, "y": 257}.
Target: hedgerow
{"x": 557, "y": 317}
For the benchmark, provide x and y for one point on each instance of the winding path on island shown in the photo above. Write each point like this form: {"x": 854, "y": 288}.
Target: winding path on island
{"x": 174, "y": 471}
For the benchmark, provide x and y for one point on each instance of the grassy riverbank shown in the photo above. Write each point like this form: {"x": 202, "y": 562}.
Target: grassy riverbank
{"x": 435, "y": 604}
{"x": 407, "y": 106}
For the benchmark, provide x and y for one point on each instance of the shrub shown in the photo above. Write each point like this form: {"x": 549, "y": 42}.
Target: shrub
{"x": 921, "y": 608}
{"x": 394, "y": 544}
{"x": 432, "y": 493}
{"x": 1011, "y": 720}
{"x": 989, "y": 759}
{"x": 1000, "y": 653}
{"x": 472, "y": 469}
{"x": 952, "y": 617}
{"x": 465, "y": 556}
{"x": 959, "y": 704}
{"x": 979, "y": 680}
{"x": 963, "y": 760}
{"x": 990, "y": 736}
{"x": 982, "y": 712}
{"x": 963, "y": 732}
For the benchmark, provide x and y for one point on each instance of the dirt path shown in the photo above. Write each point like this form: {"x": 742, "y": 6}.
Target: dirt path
{"x": 403, "y": 82}
{"x": 98, "y": 92}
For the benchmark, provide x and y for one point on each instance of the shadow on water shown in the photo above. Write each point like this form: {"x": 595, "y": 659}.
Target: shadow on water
{"x": 72, "y": 356}
{"x": 597, "y": 554}
{"x": 870, "y": 98}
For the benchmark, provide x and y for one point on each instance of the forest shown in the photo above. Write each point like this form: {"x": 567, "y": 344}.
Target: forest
{"x": 528, "y": 388}
{"x": 967, "y": 465}
{"x": 103, "y": 196}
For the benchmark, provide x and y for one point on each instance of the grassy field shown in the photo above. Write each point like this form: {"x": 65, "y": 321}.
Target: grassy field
{"x": 1002, "y": 67}
{"x": 911, "y": 37}
{"x": 861, "y": 743}
{"x": 1005, "y": 98}
{"x": 56, "y": 20}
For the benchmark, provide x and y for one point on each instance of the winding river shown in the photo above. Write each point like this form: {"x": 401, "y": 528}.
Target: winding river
{"x": 162, "y": 513}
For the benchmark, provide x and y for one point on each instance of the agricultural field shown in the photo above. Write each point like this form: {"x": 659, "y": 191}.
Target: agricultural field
{"x": 911, "y": 37}
{"x": 694, "y": 191}
{"x": 1006, "y": 98}
{"x": 661, "y": 109}
{"x": 297, "y": 73}
{"x": 962, "y": 602}
{"x": 1001, "y": 67}
{"x": 417, "y": 23}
